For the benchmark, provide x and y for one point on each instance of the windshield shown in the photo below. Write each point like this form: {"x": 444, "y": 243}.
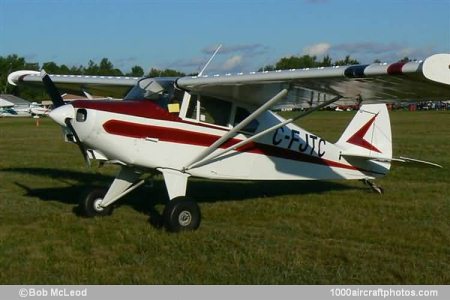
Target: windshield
{"x": 158, "y": 90}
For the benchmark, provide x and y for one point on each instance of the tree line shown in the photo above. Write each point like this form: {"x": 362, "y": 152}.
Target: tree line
{"x": 308, "y": 61}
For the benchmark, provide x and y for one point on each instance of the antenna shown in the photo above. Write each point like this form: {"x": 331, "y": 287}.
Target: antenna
{"x": 214, "y": 54}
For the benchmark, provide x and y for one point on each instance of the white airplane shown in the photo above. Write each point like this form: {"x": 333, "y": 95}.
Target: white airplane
{"x": 221, "y": 127}
{"x": 37, "y": 109}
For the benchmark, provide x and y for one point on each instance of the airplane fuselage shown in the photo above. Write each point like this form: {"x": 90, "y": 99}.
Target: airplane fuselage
{"x": 144, "y": 135}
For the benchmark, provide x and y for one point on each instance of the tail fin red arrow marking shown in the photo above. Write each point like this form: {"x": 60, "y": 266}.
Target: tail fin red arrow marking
{"x": 358, "y": 138}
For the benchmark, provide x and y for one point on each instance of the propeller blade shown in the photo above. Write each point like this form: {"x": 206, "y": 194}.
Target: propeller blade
{"x": 78, "y": 142}
{"x": 51, "y": 89}
{"x": 58, "y": 101}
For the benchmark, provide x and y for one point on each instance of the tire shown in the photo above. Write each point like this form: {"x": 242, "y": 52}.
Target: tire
{"x": 89, "y": 205}
{"x": 181, "y": 214}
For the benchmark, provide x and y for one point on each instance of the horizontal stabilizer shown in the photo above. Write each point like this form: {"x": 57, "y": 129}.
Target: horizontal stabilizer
{"x": 408, "y": 161}
{"x": 418, "y": 163}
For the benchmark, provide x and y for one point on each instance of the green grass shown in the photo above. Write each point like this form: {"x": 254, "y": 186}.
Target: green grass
{"x": 252, "y": 233}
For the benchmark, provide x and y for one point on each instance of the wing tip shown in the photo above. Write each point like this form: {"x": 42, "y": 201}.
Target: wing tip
{"x": 437, "y": 68}
{"x": 15, "y": 77}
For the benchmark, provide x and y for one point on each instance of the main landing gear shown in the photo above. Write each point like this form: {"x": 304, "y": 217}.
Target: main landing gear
{"x": 180, "y": 213}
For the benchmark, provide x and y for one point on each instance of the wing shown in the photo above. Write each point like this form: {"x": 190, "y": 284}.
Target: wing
{"x": 411, "y": 81}
{"x": 109, "y": 86}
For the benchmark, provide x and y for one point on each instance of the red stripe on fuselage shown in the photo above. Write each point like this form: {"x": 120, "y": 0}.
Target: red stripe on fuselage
{"x": 165, "y": 134}
{"x": 180, "y": 136}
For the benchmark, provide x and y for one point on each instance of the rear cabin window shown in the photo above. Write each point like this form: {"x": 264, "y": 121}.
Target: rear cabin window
{"x": 241, "y": 114}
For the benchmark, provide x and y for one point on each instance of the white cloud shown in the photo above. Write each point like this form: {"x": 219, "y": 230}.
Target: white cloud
{"x": 317, "y": 49}
{"x": 233, "y": 62}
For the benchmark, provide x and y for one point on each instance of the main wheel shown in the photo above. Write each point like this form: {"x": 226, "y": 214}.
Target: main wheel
{"x": 181, "y": 214}
{"x": 90, "y": 205}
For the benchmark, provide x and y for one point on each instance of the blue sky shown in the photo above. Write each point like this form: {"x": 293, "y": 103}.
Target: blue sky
{"x": 182, "y": 34}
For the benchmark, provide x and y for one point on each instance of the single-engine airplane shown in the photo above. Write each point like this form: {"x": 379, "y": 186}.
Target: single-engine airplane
{"x": 221, "y": 127}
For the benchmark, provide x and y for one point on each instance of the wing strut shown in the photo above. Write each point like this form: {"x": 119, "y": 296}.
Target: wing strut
{"x": 264, "y": 132}
{"x": 209, "y": 61}
{"x": 236, "y": 129}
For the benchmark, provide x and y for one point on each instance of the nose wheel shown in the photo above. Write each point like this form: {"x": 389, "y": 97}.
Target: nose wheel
{"x": 181, "y": 214}
{"x": 90, "y": 205}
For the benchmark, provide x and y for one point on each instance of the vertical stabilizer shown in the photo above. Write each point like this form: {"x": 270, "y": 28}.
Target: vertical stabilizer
{"x": 369, "y": 133}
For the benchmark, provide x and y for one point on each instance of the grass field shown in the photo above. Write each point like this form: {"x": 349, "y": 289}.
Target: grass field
{"x": 334, "y": 232}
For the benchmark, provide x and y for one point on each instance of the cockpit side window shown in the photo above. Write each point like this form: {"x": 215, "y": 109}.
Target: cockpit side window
{"x": 215, "y": 111}
{"x": 218, "y": 112}
{"x": 209, "y": 110}
{"x": 175, "y": 101}
{"x": 192, "y": 108}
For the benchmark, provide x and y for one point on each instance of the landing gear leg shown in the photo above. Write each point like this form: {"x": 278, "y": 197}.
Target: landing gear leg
{"x": 99, "y": 202}
{"x": 376, "y": 188}
{"x": 181, "y": 213}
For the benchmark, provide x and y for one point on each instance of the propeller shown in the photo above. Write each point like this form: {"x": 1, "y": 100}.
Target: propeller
{"x": 51, "y": 89}
{"x": 58, "y": 101}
